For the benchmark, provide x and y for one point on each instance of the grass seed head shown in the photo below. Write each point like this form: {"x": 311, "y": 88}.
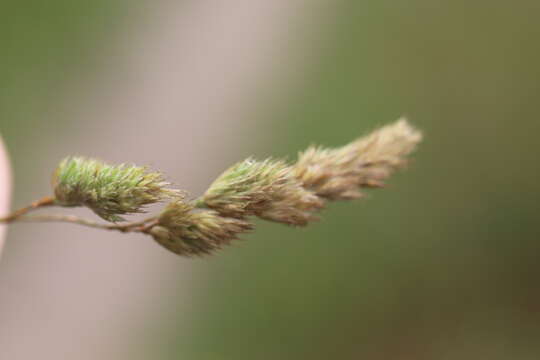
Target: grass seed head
{"x": 109, "y": 190}
{"x": 340, "y": 173}
{"x": 194, "y": 232}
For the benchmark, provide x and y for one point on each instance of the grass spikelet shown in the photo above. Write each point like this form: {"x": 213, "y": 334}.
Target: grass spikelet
{"x": 194, "y": 232}
{"x": 340, "y": 173}
{"x": 266, "y": 189}
{"x": 108, "y": 190}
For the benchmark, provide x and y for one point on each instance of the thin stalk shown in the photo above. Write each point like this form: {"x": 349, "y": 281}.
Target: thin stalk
{"x": 46, "y": 201}
{"x": 136, "y": 226}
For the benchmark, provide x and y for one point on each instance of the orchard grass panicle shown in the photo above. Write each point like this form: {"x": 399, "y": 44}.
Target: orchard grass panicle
{"x": 269, "y": 189}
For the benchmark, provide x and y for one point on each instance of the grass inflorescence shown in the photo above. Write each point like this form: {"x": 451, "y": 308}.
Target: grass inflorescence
{"x": 289, "y": 194}
{"x": 271, "y": 189}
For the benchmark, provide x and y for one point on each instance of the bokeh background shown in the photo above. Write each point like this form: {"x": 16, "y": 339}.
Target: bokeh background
{"x": 443, "y": 264}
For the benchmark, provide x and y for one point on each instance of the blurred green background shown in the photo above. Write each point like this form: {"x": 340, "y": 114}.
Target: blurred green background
{"x": 443, "y": 264}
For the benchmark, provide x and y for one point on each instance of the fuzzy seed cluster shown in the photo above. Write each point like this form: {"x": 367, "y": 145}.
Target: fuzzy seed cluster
{"x": 110, "y": 191}
{"x": 267, "y": 189}
{"x": 193, "y": 232}
{"x": 341, "y": 173}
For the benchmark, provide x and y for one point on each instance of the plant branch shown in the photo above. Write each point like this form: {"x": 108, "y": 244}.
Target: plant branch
{"x": 272, "y": 189}
{"x": 46, "y": 201}
{"x": 136, "y": 226}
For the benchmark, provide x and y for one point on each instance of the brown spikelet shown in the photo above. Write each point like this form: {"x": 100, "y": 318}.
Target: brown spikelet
{"x": 194, "y": 232}
{"x": 293, "y": 205}
{"x": 339, "y": 174}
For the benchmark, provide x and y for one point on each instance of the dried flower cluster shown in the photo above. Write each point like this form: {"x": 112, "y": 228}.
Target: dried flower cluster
{"x": 108, "y": 190}
{"x": 269, "y": 189}
{"x": 339, "y": 174}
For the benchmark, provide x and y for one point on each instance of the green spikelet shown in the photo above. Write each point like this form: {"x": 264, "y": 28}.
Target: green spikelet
{"x": 266, "y": 189}
{"x": 108, "y": 190}
{"x": 247, "y": 187}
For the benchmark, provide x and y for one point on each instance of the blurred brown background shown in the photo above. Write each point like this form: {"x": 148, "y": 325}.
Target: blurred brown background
{"x": 440, "y": 265}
